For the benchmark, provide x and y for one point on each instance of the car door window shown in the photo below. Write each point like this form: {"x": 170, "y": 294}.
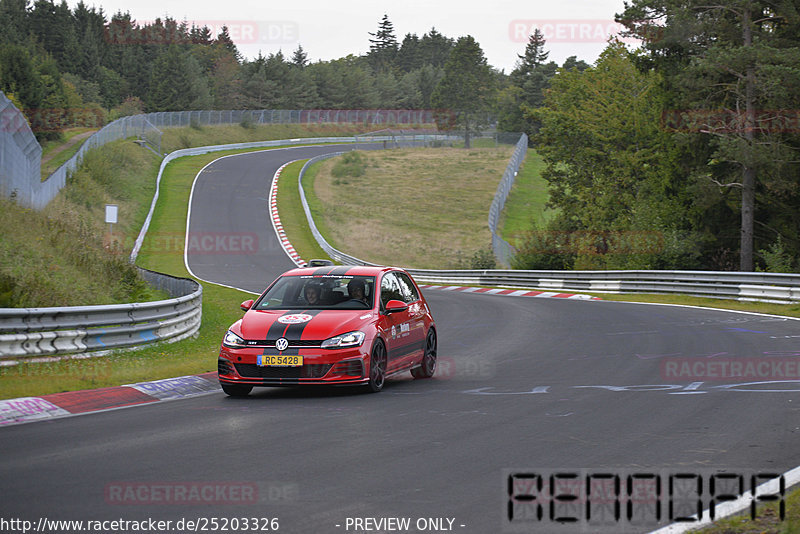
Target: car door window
{"x": 407, "y": 288}
{"x": 390, "y": 289}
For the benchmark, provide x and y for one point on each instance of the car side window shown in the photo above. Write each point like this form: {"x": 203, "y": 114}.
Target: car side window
{"x": 407, "y": 287}
{"x": 390, "y": 289}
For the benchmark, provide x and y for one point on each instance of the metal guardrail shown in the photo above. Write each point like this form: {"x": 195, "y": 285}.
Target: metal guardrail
{"x": 30, "y": 332}
{"x": 766, "y": 287}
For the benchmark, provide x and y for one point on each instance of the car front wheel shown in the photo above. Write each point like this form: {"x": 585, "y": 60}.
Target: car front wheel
{"x": 377, "y": 368}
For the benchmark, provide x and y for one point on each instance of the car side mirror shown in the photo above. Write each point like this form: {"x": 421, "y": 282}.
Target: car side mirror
{"x": 246, "y": 305}
{"x": 394, "y": 306}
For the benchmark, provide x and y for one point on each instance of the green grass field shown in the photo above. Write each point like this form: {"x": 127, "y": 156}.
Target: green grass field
{"x": 526, "y": 202}
{"x": 56, "y": 153}
{"x": 423, "y": 208}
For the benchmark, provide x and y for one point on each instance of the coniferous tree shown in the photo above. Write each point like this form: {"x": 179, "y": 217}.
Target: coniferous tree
{"x": 466, "y": 87}
{"x": 299, "y": 57}
{"x": 14, "y": 21}
{"x": 383, "y": 47}
{"x": 740, "y": 57}
{"x": 409, "y": 55}
{"x": 435, "y": 48}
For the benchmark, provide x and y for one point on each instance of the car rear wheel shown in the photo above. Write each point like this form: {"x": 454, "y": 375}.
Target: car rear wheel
{"x": 377, "y": 368}
{"x": 428, "y": 365}
{"x": 236, "y": 390}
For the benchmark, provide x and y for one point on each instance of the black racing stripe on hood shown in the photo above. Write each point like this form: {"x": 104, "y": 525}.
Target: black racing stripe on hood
{"x": 292, "y": 332}
{"x": 276, "y": 329}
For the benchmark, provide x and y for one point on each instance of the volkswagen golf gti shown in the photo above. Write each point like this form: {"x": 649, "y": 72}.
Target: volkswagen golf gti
{"x": 330, "y": 325}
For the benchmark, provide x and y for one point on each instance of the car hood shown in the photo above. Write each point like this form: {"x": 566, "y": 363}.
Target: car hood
{"x": 302, "y": 324}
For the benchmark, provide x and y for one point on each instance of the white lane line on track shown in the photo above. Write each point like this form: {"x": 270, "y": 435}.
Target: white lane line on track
{"x": 189, "y": 220}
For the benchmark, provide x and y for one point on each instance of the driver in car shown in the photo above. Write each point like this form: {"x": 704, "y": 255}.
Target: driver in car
{"x": 312, "y": 293}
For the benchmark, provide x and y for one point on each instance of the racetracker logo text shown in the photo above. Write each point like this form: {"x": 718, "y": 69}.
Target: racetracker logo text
{"x": 175, "y": 493}
{"x": 241, "y": 32}
{"x": 567, "y": 30}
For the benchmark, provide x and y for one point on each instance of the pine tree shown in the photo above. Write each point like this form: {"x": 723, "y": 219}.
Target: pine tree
{"x": 299, "y": 57}
{"x": 467, "y": 85}
{"x": 435, "y": 48}
{"x": 224, "y": 40}
{"x": 409, "y": 56}
{"x": 740, "y": 57}
{"x": 534, "y": 56}
{"x": 383, "y": 48}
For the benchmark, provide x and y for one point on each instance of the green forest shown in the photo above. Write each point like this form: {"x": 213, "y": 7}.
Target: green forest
{"x": 680, "y": 153}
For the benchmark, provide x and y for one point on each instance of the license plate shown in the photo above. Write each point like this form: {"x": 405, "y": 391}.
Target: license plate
{"x": 279, "y": 361}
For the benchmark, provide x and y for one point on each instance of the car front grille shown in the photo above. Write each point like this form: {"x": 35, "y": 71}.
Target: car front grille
{"x": 251, "y": 370}
{"x": 292, "y": 343}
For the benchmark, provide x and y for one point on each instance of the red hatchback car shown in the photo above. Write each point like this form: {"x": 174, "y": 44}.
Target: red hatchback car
{"x": 330, "y": 325}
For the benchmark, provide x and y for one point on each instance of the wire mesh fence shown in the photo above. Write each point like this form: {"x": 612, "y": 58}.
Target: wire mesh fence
{"x": 503, "y": 251}
{"x": 20, "y": 163}
{"x": 20, "y": 154}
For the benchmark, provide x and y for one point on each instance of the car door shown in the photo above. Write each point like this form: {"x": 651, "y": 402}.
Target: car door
{"x": 396, "y": 326}
{"x": 416, "y": 315}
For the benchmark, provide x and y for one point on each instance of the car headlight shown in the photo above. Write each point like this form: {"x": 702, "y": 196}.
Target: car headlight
{"x": 350, "y": 339}
{"x": 232, "y": 340}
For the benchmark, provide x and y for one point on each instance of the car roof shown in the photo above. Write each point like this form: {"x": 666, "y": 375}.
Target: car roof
{"x": 340, "y": 270}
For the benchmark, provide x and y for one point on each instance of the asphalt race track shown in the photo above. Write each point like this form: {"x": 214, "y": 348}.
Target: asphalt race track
{"x": 524, "y": 384}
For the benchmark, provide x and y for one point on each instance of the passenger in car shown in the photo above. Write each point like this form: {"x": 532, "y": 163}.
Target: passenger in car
{"x": 356, "y": 290}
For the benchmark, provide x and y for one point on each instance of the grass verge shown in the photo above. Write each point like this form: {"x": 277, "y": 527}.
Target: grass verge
{"x": 55, "y": 153}
{"x": 162, "y": 360}
{"x": 767, "y": 520}
{"x": 63, "y": 254}
{"x": 526, "y": 202}
{"x": 293, "y": 218}
{"x": 423, "y": 208}
{"x": 788, "y": 310}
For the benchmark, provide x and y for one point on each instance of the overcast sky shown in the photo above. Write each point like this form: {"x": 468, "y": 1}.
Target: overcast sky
{"x": 330, "y": 30}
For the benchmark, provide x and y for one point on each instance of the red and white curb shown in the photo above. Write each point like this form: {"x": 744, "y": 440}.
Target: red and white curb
{"x": 276, "y": 220}
{"x": 512, "y": 292}
{"x": 71, "y": 403}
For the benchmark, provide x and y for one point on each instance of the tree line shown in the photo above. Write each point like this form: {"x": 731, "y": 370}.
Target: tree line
{"x": 68, "y": 67}
{"x": 682, "y": 153}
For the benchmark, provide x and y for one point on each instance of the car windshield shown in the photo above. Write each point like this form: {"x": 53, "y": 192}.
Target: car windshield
{"x": 319, "y": 292}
